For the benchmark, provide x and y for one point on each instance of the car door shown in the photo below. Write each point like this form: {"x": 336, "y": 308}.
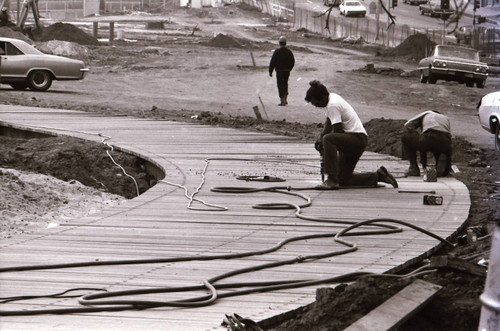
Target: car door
{"x": 14, "y": 62}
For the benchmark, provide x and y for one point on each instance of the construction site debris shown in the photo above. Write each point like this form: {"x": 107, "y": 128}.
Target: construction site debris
{"x": 64, "y": 48}
{"x": 13, "y": 32}
{"x": 64, "y": 32}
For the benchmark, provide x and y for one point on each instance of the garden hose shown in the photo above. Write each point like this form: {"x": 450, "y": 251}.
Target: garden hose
{"x": 117, "y": 305}
{"x": 97, "y": 302}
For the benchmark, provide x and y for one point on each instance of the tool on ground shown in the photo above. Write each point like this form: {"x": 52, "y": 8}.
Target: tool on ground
{"x": 433, "y": 200}
{"x": 417, "y": 191}
{"x": 235, "y": 322}
{"x": 319, "y": 147}
{"x": 430, "y": 175}
{"x": 264, "y": 178}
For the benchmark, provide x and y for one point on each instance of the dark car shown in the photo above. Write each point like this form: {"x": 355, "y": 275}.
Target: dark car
{"x": 415, "y": 2}
{"x": 453, "y": 63}
{"x": 334, "y": 3}
{"x": 433, "y": 9}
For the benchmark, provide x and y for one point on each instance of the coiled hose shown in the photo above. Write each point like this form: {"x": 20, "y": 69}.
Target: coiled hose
{"x": 98, "y": 302}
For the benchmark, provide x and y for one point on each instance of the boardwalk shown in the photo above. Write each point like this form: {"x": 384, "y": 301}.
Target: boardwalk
{"x": 159, "y": 225}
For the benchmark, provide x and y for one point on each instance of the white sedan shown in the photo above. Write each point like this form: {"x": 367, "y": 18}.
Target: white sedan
{"x": 23, "y": 66}
{"x": 488, "y": 111}
{"x": 352, "y": 8}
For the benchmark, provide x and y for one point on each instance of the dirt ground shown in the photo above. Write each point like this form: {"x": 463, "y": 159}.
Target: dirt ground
{"x": 200, "y": 69}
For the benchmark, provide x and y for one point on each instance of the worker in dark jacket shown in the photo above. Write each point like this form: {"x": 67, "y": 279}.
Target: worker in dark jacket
{"x": 427, "y": 132}
{"x": 342, "y": 142}
{"x": 282, "y": 62}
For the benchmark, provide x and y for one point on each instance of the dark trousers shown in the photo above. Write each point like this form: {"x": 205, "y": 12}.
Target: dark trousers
{"x": 433, "y": 141}
{"x": 341, "y": 153}
{"x": 282, "y": 82}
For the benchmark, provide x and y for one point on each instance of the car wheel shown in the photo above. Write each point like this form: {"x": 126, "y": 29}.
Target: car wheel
{"x": 423, "y": 78}
{"x": 480, "y": 83}
{"x": 39, "y": 80}
{"x": 497, "y": 137}
{"x": 19, "y": 86}
{"x": 469, "y": 83}
{"x": 432, "y": 78}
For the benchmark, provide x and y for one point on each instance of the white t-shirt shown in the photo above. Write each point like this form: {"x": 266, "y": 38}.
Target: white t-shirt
{"x": 429, "y": 120}
{"x": 340, "y": 111}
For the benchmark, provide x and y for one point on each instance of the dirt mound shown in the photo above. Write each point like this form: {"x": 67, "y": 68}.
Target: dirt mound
{"x": 336, "y": 309}
{"x": 228, "y": 41}
{"x": 390, "y": 143}
{"x": 415, "y": 47}
{"x": 64, "y": 32}
{"x": 64, "y": 48}
{"x": 74, "y": 159}
{"x": 33, "y": 201}
{"x": 15, "y": 33}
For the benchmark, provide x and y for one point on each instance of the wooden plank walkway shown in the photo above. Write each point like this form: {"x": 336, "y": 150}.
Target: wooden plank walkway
{"x": 158, "y": 224}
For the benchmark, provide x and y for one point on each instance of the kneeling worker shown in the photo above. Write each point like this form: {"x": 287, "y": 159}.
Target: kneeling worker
{"x": 342, "y": 142}
{"x": 435, "y": 137}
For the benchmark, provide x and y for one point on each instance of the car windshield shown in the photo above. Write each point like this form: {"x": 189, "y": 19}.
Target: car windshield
{"x": 470, "y": 54}
{"x": 352, "y": 3}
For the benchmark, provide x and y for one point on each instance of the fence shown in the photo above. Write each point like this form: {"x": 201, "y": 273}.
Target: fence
{"x": 373, "y": 31}
{"x": 70, "y": 9}
{"x": 487, "y": 41}
{"x": 282, "y": 9}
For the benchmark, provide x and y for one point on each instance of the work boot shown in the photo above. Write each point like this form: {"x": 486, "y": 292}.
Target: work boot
{"x": 443, "y": 168}
{"x": 385, "y": 177}
{"x": 283, "y": 102}
{"x": 286, "y": 101}
{"x": 329, "y": 184}
{"x": 412, "y": 171}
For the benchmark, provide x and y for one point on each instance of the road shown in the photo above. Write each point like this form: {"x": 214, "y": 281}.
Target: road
{"x": 405, "y": 14}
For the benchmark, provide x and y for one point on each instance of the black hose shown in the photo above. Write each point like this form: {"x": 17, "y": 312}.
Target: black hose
{"x": 118, "y": 305}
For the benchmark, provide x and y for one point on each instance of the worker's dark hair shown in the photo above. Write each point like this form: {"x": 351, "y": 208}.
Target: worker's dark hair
{"x": 317, "y": 91}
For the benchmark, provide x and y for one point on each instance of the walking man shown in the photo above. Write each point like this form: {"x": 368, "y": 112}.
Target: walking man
{"x": 282, "y": 62}
{"x": 342, "y": 142}
{"x": 427, "y": 132}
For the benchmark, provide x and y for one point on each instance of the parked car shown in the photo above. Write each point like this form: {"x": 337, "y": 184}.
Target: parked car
{"x": 352, "y": 8}
{"x": 488, "y": 111}
{"x": 334, "y": 3}
{"x": 23, "y": 66}
{"x": 415, "y": 2}
{"x": 487, "y": 41}
{"x": 453, "y": 63}
{"x": 464, "y": 34}
{"x": 433, "y": 8}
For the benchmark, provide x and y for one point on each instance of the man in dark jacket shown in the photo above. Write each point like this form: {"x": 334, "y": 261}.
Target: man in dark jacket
{"x": 282, "y": 62}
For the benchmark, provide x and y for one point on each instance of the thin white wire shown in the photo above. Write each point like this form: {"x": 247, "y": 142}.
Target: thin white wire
{"x": 196, "y": 191}
{"x": 103, "y": 141}
{"x": 119, "y": 166}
